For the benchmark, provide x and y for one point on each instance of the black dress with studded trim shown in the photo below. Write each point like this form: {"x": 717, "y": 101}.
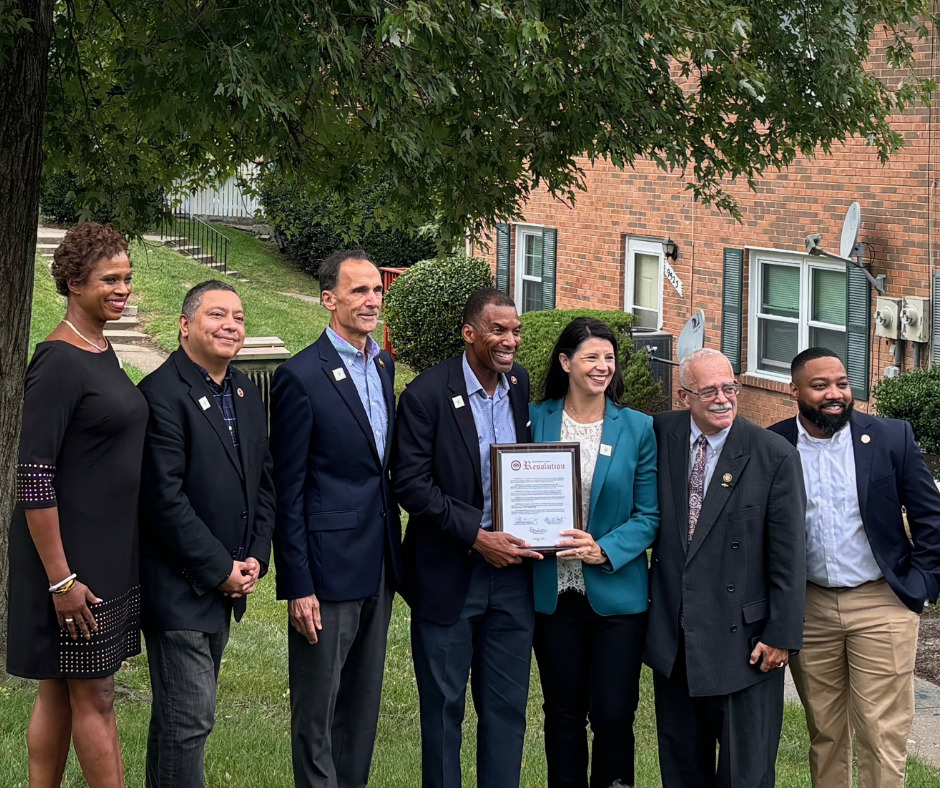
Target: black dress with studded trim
{"x": 80, "y": 451}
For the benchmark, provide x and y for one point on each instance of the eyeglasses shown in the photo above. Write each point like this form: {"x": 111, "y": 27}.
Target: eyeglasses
{"x": 711, "y": 393}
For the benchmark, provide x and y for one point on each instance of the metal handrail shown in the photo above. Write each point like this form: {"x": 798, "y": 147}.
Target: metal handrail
{"x": 197, "y": 233}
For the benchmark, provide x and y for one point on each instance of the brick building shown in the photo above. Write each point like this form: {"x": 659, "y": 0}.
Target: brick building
{"x": 763, "y": 296}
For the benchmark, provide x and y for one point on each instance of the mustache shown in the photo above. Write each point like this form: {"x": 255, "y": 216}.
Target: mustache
{"x": 719, "y": 408}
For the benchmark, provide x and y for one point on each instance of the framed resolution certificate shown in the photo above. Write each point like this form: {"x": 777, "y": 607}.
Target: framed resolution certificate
{"x": 536, "y": 491}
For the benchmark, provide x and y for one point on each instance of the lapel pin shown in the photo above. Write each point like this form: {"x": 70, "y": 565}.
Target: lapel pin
{"x": 381, "y": 363}
{"x": 513, "y": 380}
{"x": 606, "y": 449}
{"x": 339, "y": 374}
{"x": 458, "y": 401}
{"x": 866, "y": 438}
{"x": 727, "y": 477}
{"x": 240, "y": 392}
{"x": 204, "y": 403}
{"x": 725, "y": 484}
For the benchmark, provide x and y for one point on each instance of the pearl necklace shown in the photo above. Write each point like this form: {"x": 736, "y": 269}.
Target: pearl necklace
{"x": 82, "y": 336}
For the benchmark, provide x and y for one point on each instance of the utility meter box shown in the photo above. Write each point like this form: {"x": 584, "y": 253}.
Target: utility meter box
{"x": 914, "y": 320}
{"x": 887, "y": 313}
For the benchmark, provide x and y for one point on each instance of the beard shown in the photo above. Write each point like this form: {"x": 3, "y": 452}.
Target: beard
{"x": 829, "y": 423}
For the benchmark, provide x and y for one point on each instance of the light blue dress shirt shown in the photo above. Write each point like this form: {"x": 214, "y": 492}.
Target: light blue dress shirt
{"x": 716, "y": 443}
{"x": 838, "y": 554}
{"x": 365, "y": 376}
{"x": 493, "y": 419}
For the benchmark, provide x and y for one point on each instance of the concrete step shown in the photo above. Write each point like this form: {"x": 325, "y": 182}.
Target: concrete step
{"x": 124, "y": 323}
{"x": 205, "y": 259}
{"x": 126, "y": 336}
{"x": 46, "y": 246}
{"x": 130, "y": 310}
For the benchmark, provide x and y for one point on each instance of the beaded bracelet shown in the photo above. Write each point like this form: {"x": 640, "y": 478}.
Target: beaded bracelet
{"x": 63, "y": 586}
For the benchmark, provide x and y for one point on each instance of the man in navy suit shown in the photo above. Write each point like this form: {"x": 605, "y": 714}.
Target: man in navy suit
{"x": 868, "y": 576}
{"x": 337, "y": 537}
{"x": 469, "y": 588}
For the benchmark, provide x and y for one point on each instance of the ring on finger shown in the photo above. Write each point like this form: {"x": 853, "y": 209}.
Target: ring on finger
{"x": 781, "y": 664}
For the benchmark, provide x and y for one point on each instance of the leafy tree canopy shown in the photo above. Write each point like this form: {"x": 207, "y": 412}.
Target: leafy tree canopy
{"x": 464, "y": 107}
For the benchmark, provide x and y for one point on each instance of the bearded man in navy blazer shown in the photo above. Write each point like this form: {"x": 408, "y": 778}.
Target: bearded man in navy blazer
{"x": 337, "y": 537}
{"x": 869, "y": 576}
{"x": 469, "y": 588}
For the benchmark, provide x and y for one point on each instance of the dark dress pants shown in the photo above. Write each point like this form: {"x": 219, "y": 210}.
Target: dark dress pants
{"x": 184, "y": 677}
{"x": 336, "y": 691}
{"x": 589, "y": 667}
{"x": 493, "y": 636}
{"x": 745, "y": 725}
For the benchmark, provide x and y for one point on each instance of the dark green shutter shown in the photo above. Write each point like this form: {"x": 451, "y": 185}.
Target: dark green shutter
{"x": 857, "y": 330}
{"x": 732, "y": 290}
{"x": 502, "y": 258}
{"x": 549, "y": 255}
{"x": 935, "y": 324}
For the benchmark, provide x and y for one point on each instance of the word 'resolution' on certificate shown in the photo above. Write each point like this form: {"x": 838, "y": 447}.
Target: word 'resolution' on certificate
{"x": 536, "y": 491}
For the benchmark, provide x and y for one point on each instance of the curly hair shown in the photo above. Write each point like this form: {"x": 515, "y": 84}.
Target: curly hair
{"x": 80, "y": 252}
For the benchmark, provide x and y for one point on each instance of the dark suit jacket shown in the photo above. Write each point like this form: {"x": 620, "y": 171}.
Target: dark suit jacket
{"x": 890, "y": 474}
{"x": 743, "y": 577}
{"x": 436, "y": 474}
{"x": 337, "y": 521}
{"x": 200, "y": 500}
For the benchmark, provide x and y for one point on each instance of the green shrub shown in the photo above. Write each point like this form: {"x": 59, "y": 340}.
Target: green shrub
{"x": 915, "y": 397}
{"x": 540, "y": 331}
{"x": 424, "y": 305}
{"x": 63, "y": 201}
{"x": 305, "y": 231}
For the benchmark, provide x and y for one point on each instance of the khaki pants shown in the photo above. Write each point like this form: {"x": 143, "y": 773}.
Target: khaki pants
{"x": 855, "y": 675}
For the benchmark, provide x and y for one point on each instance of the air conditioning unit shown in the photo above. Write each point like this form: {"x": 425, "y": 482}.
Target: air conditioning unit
{"x": 658, "y": 344}
{"x": 914, "y": 320}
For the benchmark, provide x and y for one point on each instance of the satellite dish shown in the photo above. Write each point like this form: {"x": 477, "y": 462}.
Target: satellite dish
{"x": 692, "y": 337}
{"x": 853, "y": 218}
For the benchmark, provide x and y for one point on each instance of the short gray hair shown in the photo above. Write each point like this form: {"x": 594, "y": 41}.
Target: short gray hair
{"x": 193, "y": 298}
{"x": 697, "y": 355}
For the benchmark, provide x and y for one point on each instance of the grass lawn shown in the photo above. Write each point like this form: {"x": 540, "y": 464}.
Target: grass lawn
{"x": 251, "y": 741}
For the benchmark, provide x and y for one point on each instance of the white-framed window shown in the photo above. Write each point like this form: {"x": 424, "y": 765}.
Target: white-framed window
{"x": 643, "y": 282}
{"x": 796, "y": 302}
{"x": 529, "y": 268}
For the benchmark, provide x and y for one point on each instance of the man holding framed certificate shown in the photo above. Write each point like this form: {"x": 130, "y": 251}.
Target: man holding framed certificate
{"x": 468, "y": 586}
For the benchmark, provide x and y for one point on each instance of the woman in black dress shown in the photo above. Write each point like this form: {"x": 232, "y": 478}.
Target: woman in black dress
{"x": 74, "y": 595}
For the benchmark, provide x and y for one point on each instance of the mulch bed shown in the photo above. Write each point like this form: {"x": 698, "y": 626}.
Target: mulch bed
{"x": 928, "y": 646}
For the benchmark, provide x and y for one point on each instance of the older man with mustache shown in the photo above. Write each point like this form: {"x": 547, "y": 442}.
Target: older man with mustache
{"x": 868, "y": 580}
{"x": 726, "y": 586}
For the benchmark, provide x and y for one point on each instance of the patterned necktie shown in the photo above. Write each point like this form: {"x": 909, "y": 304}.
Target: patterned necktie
{"x": 697, "y": 484}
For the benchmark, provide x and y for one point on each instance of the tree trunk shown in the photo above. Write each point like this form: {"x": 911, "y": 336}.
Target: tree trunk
{"x": 24, "y": 63}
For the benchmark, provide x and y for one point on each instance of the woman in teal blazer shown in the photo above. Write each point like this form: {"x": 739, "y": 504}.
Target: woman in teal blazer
{"x": 590, "y": 598}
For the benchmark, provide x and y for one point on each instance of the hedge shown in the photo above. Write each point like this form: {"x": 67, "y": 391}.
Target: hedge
{"x": 304, "y": 230}
{"x": 61, "y": 200}
{"x": 423, "y": 308}
{"x": 540, "y": 331}
{"x": 424, "y": 305}
{"x": 915, "y": 397}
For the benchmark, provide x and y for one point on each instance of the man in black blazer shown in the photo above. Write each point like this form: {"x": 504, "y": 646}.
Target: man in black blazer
{"x": 869, "y": 575}
{"x": 206, "y": 516}
{"x": 469, "y": 588}
{"x": 726, "y": 584}
{"x": 337, "y": 540}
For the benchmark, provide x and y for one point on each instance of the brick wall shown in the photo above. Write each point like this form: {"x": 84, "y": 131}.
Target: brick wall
{"x": 900, "y": 204}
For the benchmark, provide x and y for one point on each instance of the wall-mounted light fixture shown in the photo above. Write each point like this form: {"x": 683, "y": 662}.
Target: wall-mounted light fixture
{"x": 671, "y": 249}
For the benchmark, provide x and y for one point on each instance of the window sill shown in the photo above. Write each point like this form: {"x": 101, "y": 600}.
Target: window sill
{"x": 768, "y": 384}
